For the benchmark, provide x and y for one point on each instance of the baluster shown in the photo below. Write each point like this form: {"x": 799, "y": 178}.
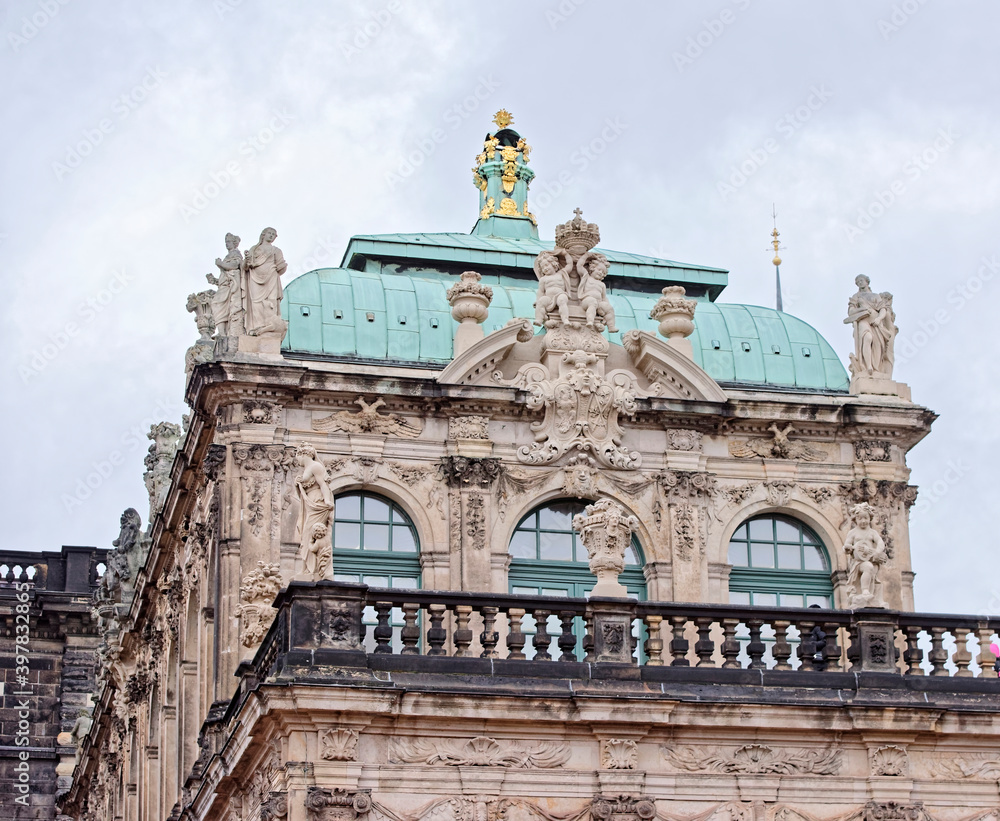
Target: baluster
{"x": 542, "y": 639}
{"x": 962, "y": 657}
{"x": 679, "y": 644}
{"x": 654, "y": 641}
{"x": 914, "y": 654}
{"x": 410, "y": 634}
{"x": 515, "y": 638}
{"x": 436, "y": 634}
{"x": 938, "y": 655}
{"x": 489, "y": 637}
{"x": 985, "y": 659}
{"x": 567, "y": 641}
{"x": 807, "y": 646}
{"x": 831, "y": 653}
{"x": 730, "y": 646}
{"x": 383, "y": 628}
{"x": 781, "y": 650}
{"x": 704, "y": 647}
{"x": 756, "y": 648}
{"x": 463, "y": 633}
{"x": 588, "y": 636}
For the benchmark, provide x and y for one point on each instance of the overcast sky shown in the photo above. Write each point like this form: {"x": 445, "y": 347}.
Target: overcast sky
{"x": 137, "y": 134}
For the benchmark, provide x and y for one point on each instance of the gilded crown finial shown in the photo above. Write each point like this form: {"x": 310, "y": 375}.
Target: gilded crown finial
{"x": 503, "y": 118}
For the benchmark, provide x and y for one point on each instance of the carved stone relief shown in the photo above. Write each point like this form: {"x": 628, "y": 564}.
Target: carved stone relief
{"x": 619, "y": 754}
{"x": 166, "y": 438}
{"x": 622, "y": 808}
{"x": 462, "y": 471}
{"x": 889, "y": 760}
{"x": 820, "y": 495}
{"x": 893, "y": 811}
{"x": 581, "y": 411}
{"x": 777, "y": 447}
{"x": 756, "y": 759}
{"x": 260, "y": 412}
{"x": 338, "y": 744}
{"x": 873, "y": 450}
{"x": 337, "y": 805}
{"x": 469, "y": 427}
{"x": 684, "y": 439}
{"x": 275, "y": 808}
{"x": 262, "y": 471}
{"x": 478, "y": 752}
{"x": 368, "y": 420}
{"x": 779, "y": 492}
{"x": 257, "y": 593}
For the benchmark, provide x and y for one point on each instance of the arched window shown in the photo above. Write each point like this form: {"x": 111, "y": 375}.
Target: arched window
{"x": 374, "y": 542}
{"x": 778, "y": 561}
{"x": 548, "y": 559}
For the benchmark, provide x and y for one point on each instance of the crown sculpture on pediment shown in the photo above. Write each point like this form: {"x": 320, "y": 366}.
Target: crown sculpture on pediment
{"x": 582, "y": 403}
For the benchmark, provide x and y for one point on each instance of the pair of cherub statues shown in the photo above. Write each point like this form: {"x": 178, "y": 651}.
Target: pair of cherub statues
{"x": 556, "y": 293}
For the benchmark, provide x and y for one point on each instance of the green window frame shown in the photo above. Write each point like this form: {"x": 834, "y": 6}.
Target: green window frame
{"x": 778, "y": 561}
{"x": 549, "y": 559}
{"x": 375, "y": 543}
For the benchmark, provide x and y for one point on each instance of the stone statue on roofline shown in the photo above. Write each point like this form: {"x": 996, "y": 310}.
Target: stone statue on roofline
{"x": 264, "y": 265}
{"x": 227, "y": 302}
{"x": 875, "y": 331}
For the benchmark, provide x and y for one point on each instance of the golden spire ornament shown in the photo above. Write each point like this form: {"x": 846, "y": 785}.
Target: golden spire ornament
{"x": 776, "y": 262}
{"x": 503, "y": 118}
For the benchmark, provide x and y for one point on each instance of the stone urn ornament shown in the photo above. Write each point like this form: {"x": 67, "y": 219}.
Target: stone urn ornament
{"x": 470, "y": 306}
{"x": 674, "y": 312}
{"x": 606, "y": 531}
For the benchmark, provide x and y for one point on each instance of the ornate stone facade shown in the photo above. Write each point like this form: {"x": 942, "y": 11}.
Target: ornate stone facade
{"x": 427, "y": 685}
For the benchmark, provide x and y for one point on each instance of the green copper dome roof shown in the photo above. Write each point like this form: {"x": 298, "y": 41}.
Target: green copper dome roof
{"x": 406, "y": 319}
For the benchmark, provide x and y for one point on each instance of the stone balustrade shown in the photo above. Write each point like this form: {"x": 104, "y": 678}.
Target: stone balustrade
{"x": 325, "y": 623}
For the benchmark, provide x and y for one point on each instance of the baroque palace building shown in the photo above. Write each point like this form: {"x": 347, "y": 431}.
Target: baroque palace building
{"x": 482, "y": 527}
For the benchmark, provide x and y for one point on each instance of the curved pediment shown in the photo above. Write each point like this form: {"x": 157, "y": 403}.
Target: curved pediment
{"x": 668, "y": 370}
{"x": 656, "y": 368}
{"x": 476, "y": 365}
